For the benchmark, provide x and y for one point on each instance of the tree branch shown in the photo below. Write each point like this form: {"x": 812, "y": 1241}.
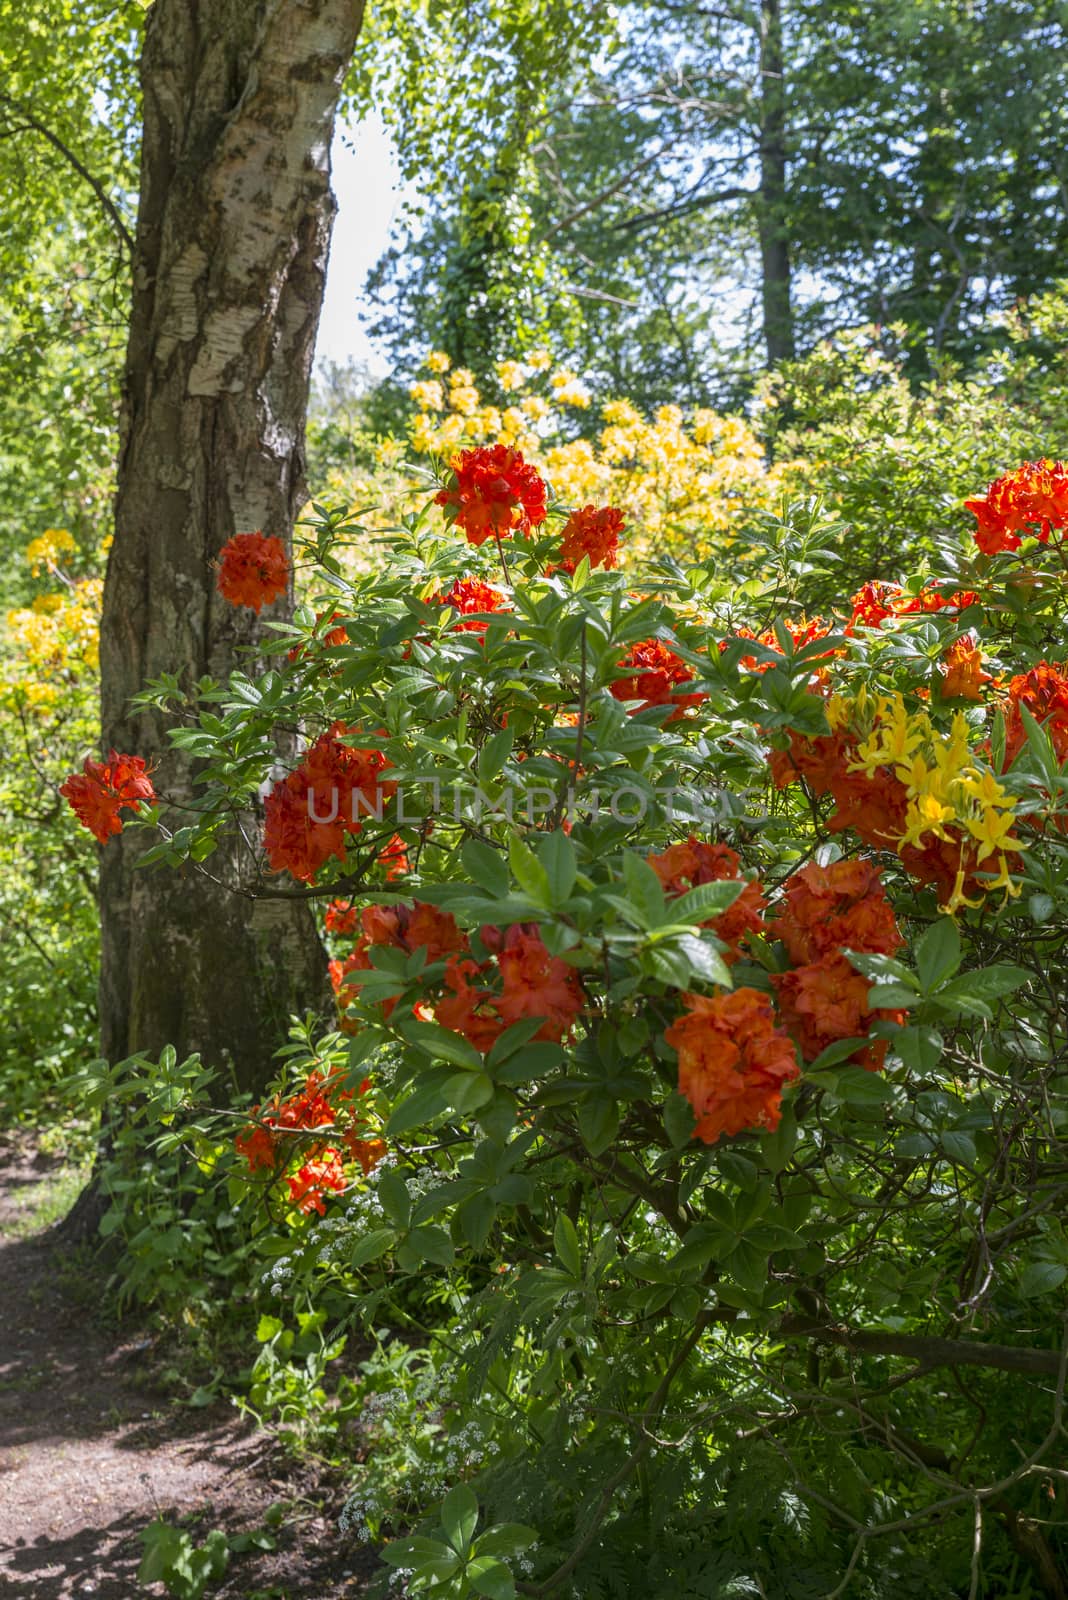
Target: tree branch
{"x": 113, "y": 212}
{"x": 930, "y": 1351}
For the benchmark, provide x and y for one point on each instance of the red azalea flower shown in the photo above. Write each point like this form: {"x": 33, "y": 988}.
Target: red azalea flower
{"x": 253, "y": 570}
{"x": 1032, "y": 500}
{"x": 827, "y": 1000}
{"x": 536, "y": 984}
{"x": 686, "y": 866}
{"x": 99, "y": 792}
{"x": 840, "y": 906}
{"x": 469, "y": 596}
{"x": 493, "y": 492}
{"x": 733, "y": 1062}
{"x": 308, "y": 1189}
{"x": 654, "y": 671}
{"x": 594, "y": 533}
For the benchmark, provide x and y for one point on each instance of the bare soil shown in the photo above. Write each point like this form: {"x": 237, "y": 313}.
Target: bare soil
{"x": 92, "y": 1448}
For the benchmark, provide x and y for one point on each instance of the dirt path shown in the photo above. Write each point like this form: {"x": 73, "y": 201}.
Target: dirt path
{"x": 91, "y": 1449}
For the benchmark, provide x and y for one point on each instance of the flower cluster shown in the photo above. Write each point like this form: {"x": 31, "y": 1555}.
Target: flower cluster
{"x": 734, "y": 1061}
{"x": 737, "y": 1051}
{"x": 253, "y": 570}
{"x": 824, "y": 912}
{"x": 877, "y": 600}
{"x": 273, "y": 1135}
{"x": 1043, "y": 692}
{"x": 487, "y": 983}
{"x": 592, "y": 533}
{"x": 493, "y": 493}
{"x": 653, "y": 673}
{"x": 474, "y": 601}
{"x": 900, "y": 784}
{"x": 1030, "y": 502}
{"x": 328, "y": 796}
{"x": 102, "y": 789}
{"x": 687, "y": 866}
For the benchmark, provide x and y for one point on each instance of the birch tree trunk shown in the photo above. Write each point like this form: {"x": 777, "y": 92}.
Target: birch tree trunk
{"x": 232, "y": 237}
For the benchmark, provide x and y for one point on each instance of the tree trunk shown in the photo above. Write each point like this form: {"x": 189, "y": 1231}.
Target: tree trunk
{"x": 232, "y": 238}
{"x": 771, "y": 205}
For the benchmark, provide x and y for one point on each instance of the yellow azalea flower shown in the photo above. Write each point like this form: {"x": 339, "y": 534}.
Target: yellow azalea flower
{"x": 569, "y": 389}
{"x": 535, "y": 407}
{"x": 510, "y": 376}
{"x": 539, "y": 360}
{"x": 428, "y": 394}
{"x": 464, "y": 398}
{"x": 47, "y": 551}
{"x": 438, "y": 361}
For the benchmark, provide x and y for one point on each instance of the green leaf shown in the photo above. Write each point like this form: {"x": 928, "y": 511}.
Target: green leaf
{"x": 1041, "y": 1277}
{"x": 369, "y": 1246}
{"x": 491, "y": 1578}
{"x": 557, "y": 856}
{"x": 706, "y": 901}
{"x": 267, "y": 1328}
{"x": 466, "y": 1091}
{"x": 486, "y": 867}
{"x": 441, "y": 1044}
{"x": 428, "y": 1101}
{"x": 938, "y": 954}
{"x": 919, "y": 1047}
{"x": 679, "y": 1120}
{"x": 645, "y": 895}
{"x": 459, "y": 1516}
{"x": 959, "y": 1147}
{"x": 413, "y": 1551}
{"x": 598, "y": 1120}
{"x": 565, "y": 1240}
{"x": 528, "y": 872}
{"x": 506, "y": 1539}
{"x": 427, "y": 1244}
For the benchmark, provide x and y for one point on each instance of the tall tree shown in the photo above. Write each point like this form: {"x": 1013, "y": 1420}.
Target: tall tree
{"x": 229, "y": 261}
{"x": 722, "y": 182}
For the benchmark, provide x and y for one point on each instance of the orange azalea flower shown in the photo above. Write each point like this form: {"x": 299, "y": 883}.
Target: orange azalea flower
{"x": 368, "y": 1152}
{"x": 686, "y": 866}
{"x": 827, "y": 1000}
{"x": 341, "y": 917}
{"x": 308, "y": 1189}
{"x": 1044, "y": 691}
{"x": 593, "y": 533}
{"x": 840, "y": 906}
{"x": 536, "y": 984}
{"x": 654, "y": 673}
{"x": 802, "y": 632}
{"x": 963, "y": 676}
{"x": 471, "y": 595}
{"x": 878, "y": 600}
{"x": 470, "y": 1008}
{"x": 308, "y": 813}
{"x": 253, "y": 570}
{"x": 1032, "y": 500}
{"x": 331, "y": 638}
{"x": 493, "y": 492}
{"x": 733, "y": 1062}
{"x": 102, "y": 789}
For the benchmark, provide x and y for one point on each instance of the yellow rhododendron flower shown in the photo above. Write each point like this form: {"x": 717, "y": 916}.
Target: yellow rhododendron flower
{"x": 438, "y": 361}
{"x": 46, "y": 552}
{"x": 510, "y": 376}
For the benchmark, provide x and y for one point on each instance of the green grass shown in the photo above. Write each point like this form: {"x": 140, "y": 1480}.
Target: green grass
{"x": 45, "y": 1202}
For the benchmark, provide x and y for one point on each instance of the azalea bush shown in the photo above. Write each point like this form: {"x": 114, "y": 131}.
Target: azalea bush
{"x": 48, "y": 715}
{"x": 687, "y": 483}
{"x": 688, "y": 1146}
